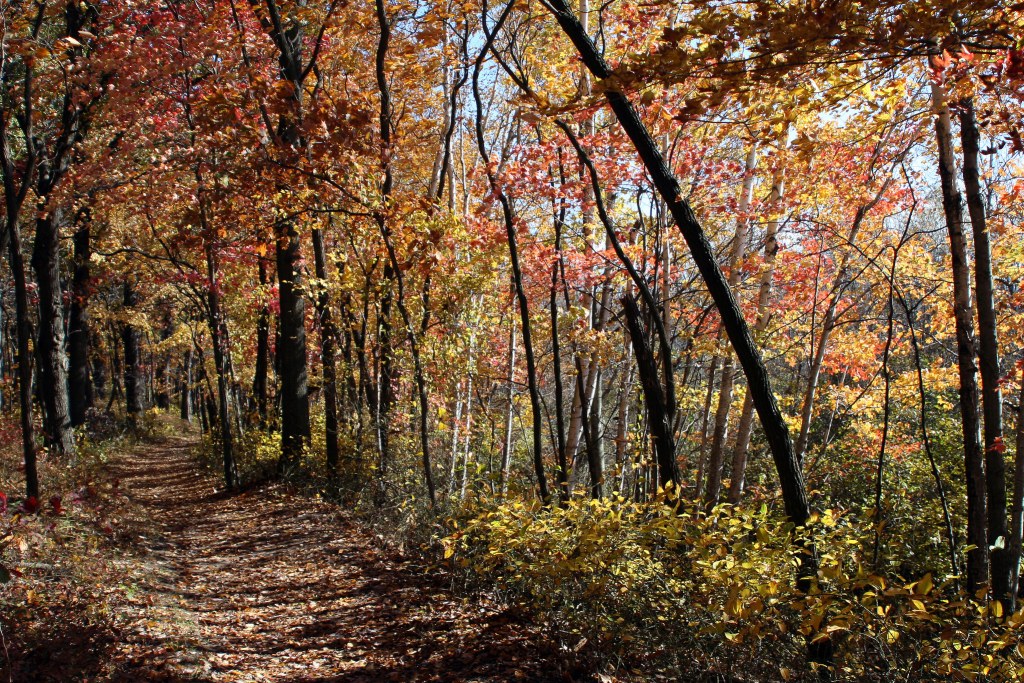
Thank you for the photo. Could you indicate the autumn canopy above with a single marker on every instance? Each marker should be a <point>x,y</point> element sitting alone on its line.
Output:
<point>545,277</point>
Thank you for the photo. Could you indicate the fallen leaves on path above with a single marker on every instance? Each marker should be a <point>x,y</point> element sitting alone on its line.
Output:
<point>265,586</point>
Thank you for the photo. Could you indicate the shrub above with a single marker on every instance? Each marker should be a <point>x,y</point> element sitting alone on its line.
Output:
<point>715,592</point>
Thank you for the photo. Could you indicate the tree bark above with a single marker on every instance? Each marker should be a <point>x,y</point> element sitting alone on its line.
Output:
<point>262,370</point>
<point>24,334</point>
<point>328,336</point>
<point>746,422</point>
<point>988,338</point>
<point>654,397</point>
<point>134,383</point>
<point>53,378</point>
<point>716,458</point>
<point>218,338</point>
<point>974,467</point>
<point>292,350</point>
<point>777,434</point>
<point>81,392</point>
<point>186,388</point>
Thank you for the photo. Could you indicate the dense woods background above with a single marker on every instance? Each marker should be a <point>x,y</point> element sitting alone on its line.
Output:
<point>694,326</point>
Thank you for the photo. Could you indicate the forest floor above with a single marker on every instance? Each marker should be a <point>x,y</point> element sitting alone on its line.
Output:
<point>261,585</point>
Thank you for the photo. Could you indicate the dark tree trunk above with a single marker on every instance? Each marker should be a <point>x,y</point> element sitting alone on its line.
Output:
<point>53,378</point>
<point>562,475</point>
<point>80,383</point>
<point>966,347</point>
<point>292,349</point>
<point>384,398</point>
<point>204,414</point>
<point>134,383</point>
<point>186,388</point>
<point>259,382</point>
<point>219,336</point>
<point>99,375</point>
<point>794,493</point>
<point>654,396</point>
<point>517,278</point>
<point>988,338</point>
<point>285,31</point>
<point>328,337</point>
<point>777,434</point>
<point>162,366</point>
<point>24,333</point>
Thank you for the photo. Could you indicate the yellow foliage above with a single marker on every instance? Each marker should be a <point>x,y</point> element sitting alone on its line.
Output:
<point>719,588</point>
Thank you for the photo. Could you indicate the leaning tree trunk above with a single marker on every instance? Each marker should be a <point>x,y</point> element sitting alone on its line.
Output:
<point>794,493</point>
<point>53,378</point>
<point>966,348</point>
<point>777,434</point>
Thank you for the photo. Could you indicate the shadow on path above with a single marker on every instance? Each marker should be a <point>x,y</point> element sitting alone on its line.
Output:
<point>264,586</point>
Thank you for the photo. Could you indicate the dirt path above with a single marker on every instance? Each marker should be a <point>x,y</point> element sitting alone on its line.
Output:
<point>262,586</point>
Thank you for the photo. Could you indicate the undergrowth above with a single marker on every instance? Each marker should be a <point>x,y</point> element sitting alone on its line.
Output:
<point>714,594</point>
<point>55,617</point>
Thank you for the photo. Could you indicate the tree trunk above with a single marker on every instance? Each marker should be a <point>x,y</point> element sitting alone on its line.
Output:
<point>134,384</point>
<point>988,338</point>
<point>1017,527</point>
<point>508,218</point>
<point>790,477</point>
<point>24,333</point>
<point>328,336</point>
<point>562,475</point>
<point>381,216</point>
<point>794,493</point>
<point>705,421</point>
<point>162,366</point>
<point>186,387</point>
<point>974,467</point>
<point>654,397</point>
<point>746,422</point>
<point>81,394</point>
<point>218,337</point>
<point>716,459</point>
<point>53,378</point>
<point>262,370</point>
<point>292,350</point>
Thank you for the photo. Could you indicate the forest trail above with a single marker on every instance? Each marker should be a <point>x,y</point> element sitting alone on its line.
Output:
<point>264,586</point>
